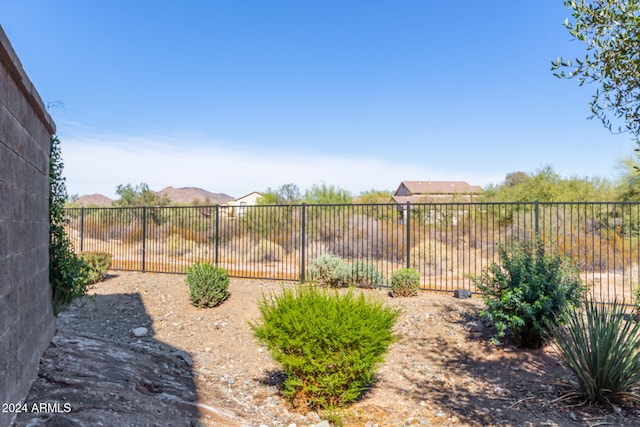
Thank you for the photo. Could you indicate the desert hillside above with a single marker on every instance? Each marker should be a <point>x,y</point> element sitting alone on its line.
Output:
<point>189,195</point>
<point>178,196</point>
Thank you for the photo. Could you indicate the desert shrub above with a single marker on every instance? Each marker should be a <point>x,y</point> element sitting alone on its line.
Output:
<point>365,274</point>
<point>424,254</point>
<point>600,345</point>
<point>177,245</point>
<point>598,250</point>
<point>330,270</point>
<point>405,282</point>
<point>207,284</point>
<point>97,265</point>
<point>327,343</point>
<point>530,291</point>
<point>265,250</point>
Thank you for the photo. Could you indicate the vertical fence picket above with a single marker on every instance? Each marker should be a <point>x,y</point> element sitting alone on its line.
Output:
<point>82,229</point>
<point>407,239</point>
<point>303,243</point>
<point>144,238</point>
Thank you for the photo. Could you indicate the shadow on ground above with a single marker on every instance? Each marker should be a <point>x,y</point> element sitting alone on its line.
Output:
<point>506,387</point>
<point>97,372</point>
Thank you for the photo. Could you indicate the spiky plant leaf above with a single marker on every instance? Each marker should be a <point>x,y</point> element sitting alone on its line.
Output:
<point>600,344</point>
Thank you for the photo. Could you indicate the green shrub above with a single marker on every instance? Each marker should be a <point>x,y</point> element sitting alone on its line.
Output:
<point>67,272</point>
<point>207,284</point>
<point>405,282</point>
<point>365,274</point>
<point>600,345</point>
<point>530,292</point>
<point>97,265</point>
<point>327,343</point>
<point>330,270</point>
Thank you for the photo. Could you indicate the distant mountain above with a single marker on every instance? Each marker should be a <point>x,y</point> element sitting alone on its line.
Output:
<point>177,196</point>
<point>191,195</point>
<point>93,200</point>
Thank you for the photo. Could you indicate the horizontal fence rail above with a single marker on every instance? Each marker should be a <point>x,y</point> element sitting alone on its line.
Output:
<point>448,243</point>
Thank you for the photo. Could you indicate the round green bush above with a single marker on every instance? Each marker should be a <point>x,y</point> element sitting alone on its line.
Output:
<point>330,270</point>
<point>405,282</point>
<point>207,284</point>
<point>328,343</point>
<point>364,274</point>
<point>97,265</point>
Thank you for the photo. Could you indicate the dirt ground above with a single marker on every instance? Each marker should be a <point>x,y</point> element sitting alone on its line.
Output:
<point>441,371</point>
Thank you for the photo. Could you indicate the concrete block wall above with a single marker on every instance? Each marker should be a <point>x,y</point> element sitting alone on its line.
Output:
<point>27,323</point>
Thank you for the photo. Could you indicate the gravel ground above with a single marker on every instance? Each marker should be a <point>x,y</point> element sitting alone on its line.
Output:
<point>441,371</point>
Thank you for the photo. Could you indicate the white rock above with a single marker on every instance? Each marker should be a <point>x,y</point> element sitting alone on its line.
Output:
<point>140,332</point>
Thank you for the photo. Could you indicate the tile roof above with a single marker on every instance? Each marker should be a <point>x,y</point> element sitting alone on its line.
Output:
<point>441,187</point>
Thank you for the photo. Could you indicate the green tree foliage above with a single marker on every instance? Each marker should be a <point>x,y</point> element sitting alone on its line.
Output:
<point>628,186</point>
<point>610,30</point>
<point>374,197</point>
<point>515,178</point>
<point>68,274</point>
<point>286,194</point>
<point>140,195</point>
<point>546,185</point>
<point>324,194</point>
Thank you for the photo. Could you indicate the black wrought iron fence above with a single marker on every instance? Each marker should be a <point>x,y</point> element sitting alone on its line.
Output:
<point>446,242</point>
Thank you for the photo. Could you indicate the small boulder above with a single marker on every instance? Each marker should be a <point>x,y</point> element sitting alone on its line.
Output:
<point>474,327</point>
<point>462,293</point>
<point>140,332</point>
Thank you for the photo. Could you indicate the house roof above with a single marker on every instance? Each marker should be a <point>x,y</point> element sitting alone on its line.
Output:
<point>253,193</point>
<point>402,200</point>
<point>234,202</point>
<point>440,187</point>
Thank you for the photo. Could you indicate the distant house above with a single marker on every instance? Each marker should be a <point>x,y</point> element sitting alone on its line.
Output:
<point>434,192</point>
<point>239,205</point>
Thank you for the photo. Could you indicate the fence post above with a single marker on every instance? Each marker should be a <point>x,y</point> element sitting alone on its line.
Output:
<point>537,212</point>
<point>144,237</point>
<point>303,242</point>
<point>82,229</point>
<point>217,235</point>
<point>408,236</point>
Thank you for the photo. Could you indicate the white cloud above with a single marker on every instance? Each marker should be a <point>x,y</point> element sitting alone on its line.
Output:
<point>97,164</point>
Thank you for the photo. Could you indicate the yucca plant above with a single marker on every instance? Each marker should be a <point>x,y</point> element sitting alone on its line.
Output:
<point>600,344</point>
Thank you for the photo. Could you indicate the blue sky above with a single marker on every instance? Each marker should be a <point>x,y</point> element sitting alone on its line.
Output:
<point>237,96</point>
